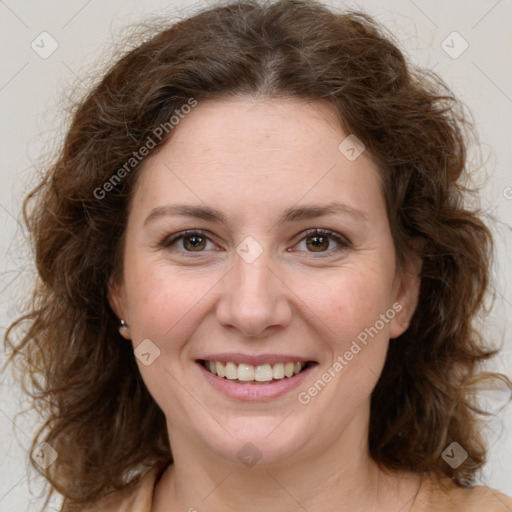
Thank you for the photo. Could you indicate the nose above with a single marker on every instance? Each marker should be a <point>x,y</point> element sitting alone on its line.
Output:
<point>254,299</point>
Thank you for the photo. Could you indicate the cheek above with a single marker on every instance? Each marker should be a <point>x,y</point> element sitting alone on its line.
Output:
<point>349,301</point>
<point>355,314</point>
<point>162,303</point>
<point>166,307</point>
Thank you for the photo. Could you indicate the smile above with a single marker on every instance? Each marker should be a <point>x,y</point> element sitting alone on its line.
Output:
<point>253,374</point>
<point>255,377</point>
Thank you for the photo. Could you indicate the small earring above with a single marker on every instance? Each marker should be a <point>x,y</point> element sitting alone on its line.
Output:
<point>123,326</point>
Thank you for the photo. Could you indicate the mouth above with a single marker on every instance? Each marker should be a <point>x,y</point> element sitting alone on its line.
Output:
<point>243,373</point>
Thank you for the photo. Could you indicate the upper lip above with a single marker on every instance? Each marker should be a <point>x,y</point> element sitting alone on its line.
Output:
<point>255,360</point>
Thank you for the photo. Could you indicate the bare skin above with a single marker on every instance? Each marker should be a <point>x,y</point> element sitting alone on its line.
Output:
<point>302,296</point>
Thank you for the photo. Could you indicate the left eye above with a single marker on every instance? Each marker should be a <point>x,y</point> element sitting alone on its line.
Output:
<point>321,240</point>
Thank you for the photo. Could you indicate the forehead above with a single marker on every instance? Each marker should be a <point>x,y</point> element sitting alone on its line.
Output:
<point>252,128</point>
<point>247,153</point>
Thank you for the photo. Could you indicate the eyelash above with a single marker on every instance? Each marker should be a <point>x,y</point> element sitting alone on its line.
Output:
<point>343,243</point>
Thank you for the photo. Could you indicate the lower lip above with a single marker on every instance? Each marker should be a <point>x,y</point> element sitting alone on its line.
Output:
<point>259,391</point>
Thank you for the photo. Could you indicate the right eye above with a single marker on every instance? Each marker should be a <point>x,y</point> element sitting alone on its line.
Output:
<point>190,241</point>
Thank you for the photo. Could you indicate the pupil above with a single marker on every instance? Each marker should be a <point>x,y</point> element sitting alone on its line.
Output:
<point>319,242</point>
<point>195,241</point>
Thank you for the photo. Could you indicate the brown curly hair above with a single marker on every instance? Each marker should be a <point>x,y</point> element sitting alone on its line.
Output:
<point>98,414</point>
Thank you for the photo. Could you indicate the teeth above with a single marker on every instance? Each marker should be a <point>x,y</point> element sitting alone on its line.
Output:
<point>245,371</point>
<point>220,369</point>
<point>278,371</point>
<point>288,369</point>
<point>263,373</point>
<point>231,371</point>
<point>250,373</point>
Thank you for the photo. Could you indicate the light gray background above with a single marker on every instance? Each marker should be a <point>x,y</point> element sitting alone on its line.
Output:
<point>31,90</point>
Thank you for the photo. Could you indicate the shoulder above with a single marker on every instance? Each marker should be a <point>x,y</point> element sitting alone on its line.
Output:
<point>443,495</point>
<point>135,498</point>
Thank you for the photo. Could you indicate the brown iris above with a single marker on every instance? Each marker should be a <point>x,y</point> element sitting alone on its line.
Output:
<point>318,243</point>
<point>194,242</point>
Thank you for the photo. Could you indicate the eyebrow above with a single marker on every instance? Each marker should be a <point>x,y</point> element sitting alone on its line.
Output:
<point>293,214</point>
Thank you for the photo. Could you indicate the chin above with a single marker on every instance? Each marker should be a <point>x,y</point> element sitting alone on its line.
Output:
<point>265,440</point>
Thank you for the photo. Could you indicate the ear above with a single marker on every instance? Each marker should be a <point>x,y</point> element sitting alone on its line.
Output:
<point>407,291</point>
<point>116,299</point>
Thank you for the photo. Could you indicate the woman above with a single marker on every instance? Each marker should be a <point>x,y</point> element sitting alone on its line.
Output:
<point>258,278</point>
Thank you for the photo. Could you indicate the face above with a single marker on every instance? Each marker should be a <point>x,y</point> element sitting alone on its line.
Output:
<point>252,240</point>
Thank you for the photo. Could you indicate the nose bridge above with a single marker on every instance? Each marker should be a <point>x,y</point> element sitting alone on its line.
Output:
<point>253,297</point>
<point>253,282</point>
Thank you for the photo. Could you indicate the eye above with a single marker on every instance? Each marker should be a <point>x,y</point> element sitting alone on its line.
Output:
<point>189,241</point>
<point>322,240</point>
<point>315,241</point>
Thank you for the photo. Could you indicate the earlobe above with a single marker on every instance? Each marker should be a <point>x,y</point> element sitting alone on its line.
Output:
<point>116,302</point>
<point>407,295</point>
